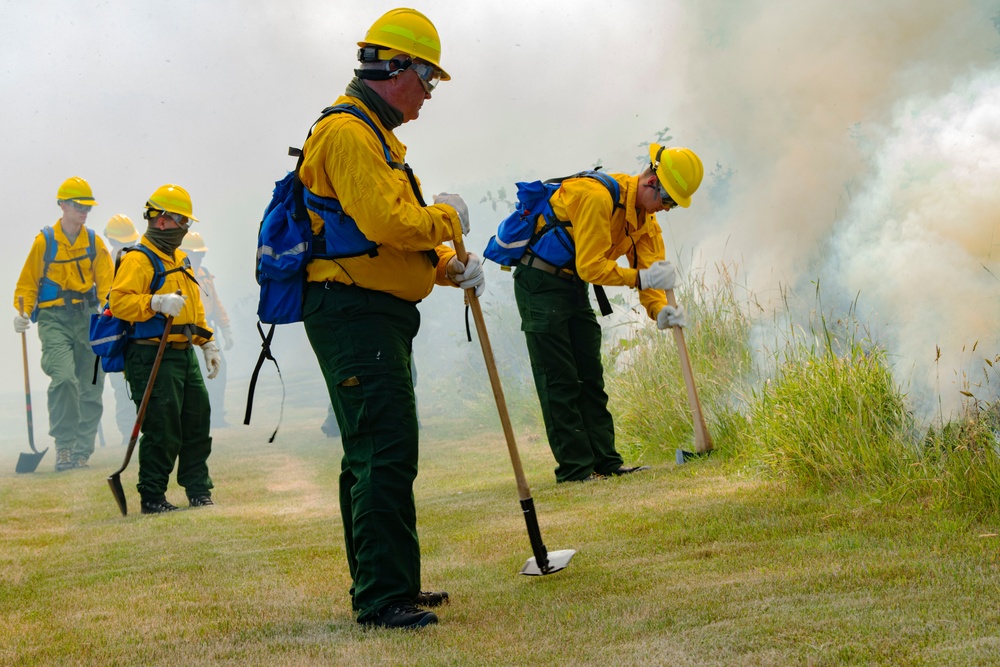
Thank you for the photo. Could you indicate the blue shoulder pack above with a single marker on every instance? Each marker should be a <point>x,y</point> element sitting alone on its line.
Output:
<point>286,243</point>
<point>48,289</point>
<point>109,335</point>
<point>516,234</point>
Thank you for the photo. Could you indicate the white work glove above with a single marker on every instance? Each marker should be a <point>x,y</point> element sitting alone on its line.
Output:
<point>21,323</point>
<point>227,339</point>
<point>671,316</point>
<point>458,204</point>
<point>168,304</point>
<point>660,275</point>
<point>469,275</point>
<point>213,360</point>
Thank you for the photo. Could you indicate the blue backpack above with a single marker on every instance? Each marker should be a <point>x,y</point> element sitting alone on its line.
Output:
<point>48,289</point>
<point>286,243</point>
<point>516,234</point>
<point>109,335</point>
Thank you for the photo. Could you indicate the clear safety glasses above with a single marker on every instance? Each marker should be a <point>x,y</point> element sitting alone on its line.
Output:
<point>429,75</point>
<point>665,198</point>
<point>82,208</point>
<point>181,220</point>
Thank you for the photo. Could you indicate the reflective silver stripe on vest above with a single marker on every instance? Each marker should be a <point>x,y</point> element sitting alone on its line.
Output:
<point>109,339</point>
<point>512,245</point>
<point>269,251</point>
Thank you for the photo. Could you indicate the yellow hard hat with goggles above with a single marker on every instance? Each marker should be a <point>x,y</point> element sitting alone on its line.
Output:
<point>406,33</point>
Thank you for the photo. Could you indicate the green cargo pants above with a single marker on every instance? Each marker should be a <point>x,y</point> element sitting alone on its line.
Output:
<point>363,341</point>
<point>176,425</point>
<point>564,344</point>
<point>74,401</point>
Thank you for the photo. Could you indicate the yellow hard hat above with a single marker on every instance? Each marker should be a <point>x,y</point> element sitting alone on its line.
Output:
<point>77,190</point>
<point>172,199</point>
<point>121,229</point>
<point>193,243</point>
<point>409,31</point>
<point>679,171</point>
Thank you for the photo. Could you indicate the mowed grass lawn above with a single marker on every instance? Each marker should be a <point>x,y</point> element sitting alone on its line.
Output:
<point>689,565</point>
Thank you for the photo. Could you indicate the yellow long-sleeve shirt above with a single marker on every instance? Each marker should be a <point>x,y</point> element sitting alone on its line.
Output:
<point>602,234</point>
<point>343,159</point>
<point>76,276</point>
<point>130,295</point>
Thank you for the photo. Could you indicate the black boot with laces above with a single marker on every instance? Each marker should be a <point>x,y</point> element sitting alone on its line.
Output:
<point>402,615</point>
<point>157,506</point>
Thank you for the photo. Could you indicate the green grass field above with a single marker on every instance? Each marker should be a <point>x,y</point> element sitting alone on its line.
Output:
<point>689,565</point>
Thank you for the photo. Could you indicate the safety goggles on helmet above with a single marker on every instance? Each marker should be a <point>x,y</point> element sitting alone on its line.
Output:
<point>665,198</point>
<point>82,208</point>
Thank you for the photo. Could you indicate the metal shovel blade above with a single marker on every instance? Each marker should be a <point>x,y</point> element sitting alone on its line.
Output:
<point>28,461</point>
<point>115,482</point>
<point>558,560</point>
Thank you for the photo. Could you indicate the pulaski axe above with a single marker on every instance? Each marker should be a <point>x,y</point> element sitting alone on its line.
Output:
<point>543,562</point>
<point>702,439</point>
<point>114,480</point>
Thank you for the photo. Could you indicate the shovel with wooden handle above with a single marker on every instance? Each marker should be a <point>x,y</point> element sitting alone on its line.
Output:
<point>543,562</point>
<point>28,462</point>
<point>702,440</point>
<point>115,481</point>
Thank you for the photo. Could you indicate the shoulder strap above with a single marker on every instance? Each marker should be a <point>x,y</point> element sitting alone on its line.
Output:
<point>357,113</point>
<point>610,183</point>
<point>50,248</point>
<point>159,274</point>
<point>361,115</point>
<point>92,248</point>
<point>605,179</point>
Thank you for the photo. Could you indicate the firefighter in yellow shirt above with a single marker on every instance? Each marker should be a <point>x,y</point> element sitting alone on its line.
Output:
<point>559,325</point>
<point>384,253</point>
<point>217,318</point>
<point>176,425</point>
<point>67,272</point>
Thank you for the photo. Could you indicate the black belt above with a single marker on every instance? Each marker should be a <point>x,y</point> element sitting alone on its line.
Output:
<point>534,262</point>
<point>179,345</point>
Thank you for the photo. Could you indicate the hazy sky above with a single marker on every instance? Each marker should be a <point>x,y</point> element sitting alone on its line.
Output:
<point>862,139</point>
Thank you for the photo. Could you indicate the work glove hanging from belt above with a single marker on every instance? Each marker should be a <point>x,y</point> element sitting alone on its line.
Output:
<point>213,360</point>
<point>458,204</point>
<point>469,275</point>
<point>227,338</point>
<point>168,304</point>
<point>660,275</point>
<point>21,323</point>
<point>671,316</point>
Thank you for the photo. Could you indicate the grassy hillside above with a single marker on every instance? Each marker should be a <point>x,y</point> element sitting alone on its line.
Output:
<point>684,565</point>
<point>827,528</point>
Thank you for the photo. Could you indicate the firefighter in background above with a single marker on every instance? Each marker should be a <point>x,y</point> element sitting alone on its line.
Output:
<point>67,270</point>
<point>176,426</point>
<point>121,233</point>
<point>217,319</point>
<point>559,325</point>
